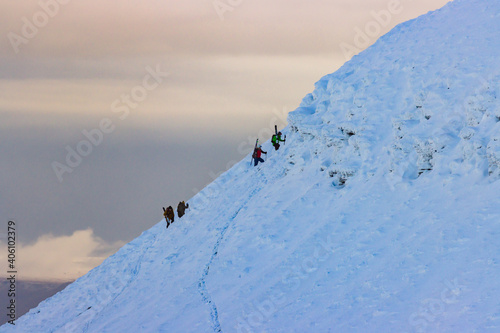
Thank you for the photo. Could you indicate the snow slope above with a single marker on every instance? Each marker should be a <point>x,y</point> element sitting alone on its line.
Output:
<point>379,214</point>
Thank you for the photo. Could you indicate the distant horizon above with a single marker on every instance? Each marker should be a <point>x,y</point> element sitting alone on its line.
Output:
<point>31,293</point>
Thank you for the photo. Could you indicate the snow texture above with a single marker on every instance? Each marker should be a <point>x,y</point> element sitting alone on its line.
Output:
<point>379,214</point>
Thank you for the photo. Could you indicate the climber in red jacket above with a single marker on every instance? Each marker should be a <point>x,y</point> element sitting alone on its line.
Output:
<point>257,153</point>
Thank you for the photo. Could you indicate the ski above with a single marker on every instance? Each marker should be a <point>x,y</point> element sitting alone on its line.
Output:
<point>253,152</point>
<point>274,138</point>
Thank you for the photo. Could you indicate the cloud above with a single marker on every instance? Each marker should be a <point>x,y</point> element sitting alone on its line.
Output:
<point>63,258</point>
<point>202,93</point>
<point>96,29</point>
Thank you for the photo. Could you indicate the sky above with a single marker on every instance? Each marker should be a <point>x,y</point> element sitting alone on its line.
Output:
<point>155,99</point>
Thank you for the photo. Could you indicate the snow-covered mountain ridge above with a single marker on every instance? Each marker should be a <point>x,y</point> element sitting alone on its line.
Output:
<point>433,80</point>
<point>379,214</point>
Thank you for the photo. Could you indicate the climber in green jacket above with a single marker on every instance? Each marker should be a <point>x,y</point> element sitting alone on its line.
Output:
<point>276,139</point>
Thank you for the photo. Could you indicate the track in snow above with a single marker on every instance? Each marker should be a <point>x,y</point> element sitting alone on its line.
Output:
<point>202,287</point>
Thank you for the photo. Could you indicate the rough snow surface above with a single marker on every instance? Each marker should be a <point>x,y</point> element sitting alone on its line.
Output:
<point>379,214</point>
